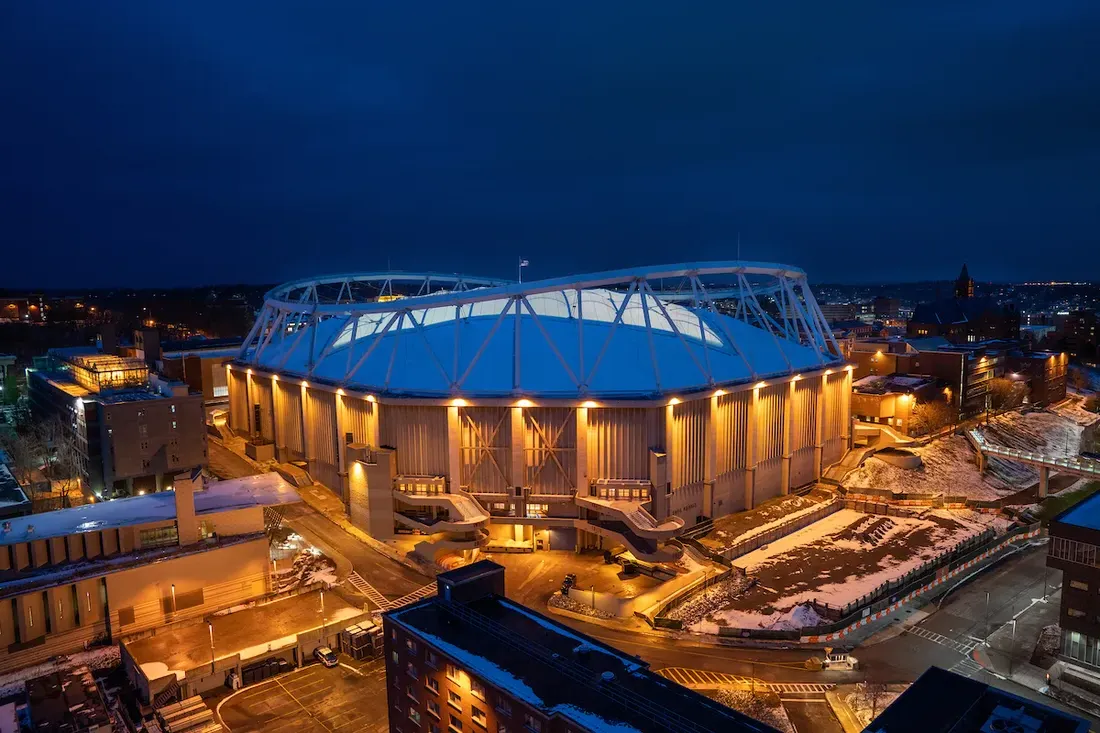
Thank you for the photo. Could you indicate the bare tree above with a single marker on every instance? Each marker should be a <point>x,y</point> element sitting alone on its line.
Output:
<point>22,453</point>
<point>60,453</point>
<point>931,417</point>
<point>873,694</point>
<point>1078,378</point>
<point>1005,394</point>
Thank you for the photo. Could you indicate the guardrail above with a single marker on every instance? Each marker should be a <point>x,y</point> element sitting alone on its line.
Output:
<point>1084,465</point>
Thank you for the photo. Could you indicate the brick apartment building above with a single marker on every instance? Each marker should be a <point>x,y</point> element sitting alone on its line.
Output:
<point>468,660</point>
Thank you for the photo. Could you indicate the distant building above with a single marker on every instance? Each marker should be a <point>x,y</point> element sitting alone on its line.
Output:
<point>469,659</point>
<point>943,701</point>
<point>132,428</point>
<point>834,312</point>
<point>201,364</point>
<point>1044,372</point>
<point>852,329</point>
<point>98,572</point>
<point>964,286</point>
<point>1081,334</point>
<point>886,308</point>
<point>965,318</point>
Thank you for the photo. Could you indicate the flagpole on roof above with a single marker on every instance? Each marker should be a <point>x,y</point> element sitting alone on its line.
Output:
<point>522,264</point>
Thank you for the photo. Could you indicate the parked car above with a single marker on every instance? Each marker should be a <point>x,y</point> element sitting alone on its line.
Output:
<point>326,656</point>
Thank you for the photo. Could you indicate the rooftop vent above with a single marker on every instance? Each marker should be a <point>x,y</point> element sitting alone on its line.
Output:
<point>607,677</point>
<point>7,526</point>
<point>1008,720</point>
<point>30,529</point>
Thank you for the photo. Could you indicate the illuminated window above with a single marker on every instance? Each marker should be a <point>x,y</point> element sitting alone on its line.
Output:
<point>456,724</point>
<point>1078,585</point>
<point>414,715</point>
<point>1075,613</point>
<point>477,689</point>
<point>454,699</point>
<point>453,673</point>
<point>478,716</point>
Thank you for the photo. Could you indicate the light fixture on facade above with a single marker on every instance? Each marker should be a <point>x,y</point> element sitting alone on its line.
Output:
<point>758,385</point>
<point>524,403</point>
<point>589,403</point>
<point>719,392</point>
<point>674,401</point>
<point>370,398</point>
<point>458,402</point>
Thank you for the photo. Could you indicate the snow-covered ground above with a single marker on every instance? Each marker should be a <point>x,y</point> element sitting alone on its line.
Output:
<point>309,566</point>
<point>836,561</point>
<point>764,707</point>
<point>867,700</point>
<point>949,463</point>
<point>13,683</point>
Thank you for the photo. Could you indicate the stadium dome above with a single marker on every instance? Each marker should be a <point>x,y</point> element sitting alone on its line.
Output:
<point>641,333</point>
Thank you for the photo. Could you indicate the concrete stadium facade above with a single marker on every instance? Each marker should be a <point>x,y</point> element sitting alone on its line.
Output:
<point>559,414</point>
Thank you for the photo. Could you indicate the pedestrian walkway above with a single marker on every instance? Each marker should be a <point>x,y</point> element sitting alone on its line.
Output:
<point>359,583</point>
<point>802,687</point>
<point>963,647</point>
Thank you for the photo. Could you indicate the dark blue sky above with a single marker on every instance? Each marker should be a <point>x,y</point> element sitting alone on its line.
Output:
<point>176,143</point>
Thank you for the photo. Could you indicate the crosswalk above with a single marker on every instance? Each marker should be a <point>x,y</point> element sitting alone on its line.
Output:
<point>805,687</point>
<point>967,667</point>
<point>360,584</point>
<point>701,678</point>
<point>416,595</point>
<point>963,647</point>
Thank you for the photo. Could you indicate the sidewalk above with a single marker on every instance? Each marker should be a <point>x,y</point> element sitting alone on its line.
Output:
<point>1007,651</point>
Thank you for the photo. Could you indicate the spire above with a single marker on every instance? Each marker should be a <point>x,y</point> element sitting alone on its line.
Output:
<point>964,286</point>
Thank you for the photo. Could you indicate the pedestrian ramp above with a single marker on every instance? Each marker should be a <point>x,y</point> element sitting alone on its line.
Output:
<point>701,679</point>
<point>962,647</point>
<point>360,584</point>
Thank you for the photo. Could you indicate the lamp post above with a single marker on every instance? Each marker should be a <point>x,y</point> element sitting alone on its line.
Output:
<point>210,626</point>
<point>322,617</point>
<point>173,599</point>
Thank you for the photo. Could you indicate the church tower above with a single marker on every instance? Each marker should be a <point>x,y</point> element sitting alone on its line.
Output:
<point>964,286</point>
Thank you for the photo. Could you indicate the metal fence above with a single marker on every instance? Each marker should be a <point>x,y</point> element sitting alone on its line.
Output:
<point>917,575</point>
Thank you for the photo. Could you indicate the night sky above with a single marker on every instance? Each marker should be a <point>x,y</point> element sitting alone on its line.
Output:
<point>181,143</point>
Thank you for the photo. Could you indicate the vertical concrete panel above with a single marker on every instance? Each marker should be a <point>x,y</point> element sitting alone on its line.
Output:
<point>454,449</point>
<point>581,456</point>
<point>75,547</point>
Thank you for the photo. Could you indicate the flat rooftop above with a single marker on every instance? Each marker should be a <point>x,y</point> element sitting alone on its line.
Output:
<point>942,701</point>
<point>882,384</point>
<point>1084,513</point>
<point>268,489</point>
<point>560,671</point>
<point>248,633</point>
<point>11,493</point>
<point>66,701</point>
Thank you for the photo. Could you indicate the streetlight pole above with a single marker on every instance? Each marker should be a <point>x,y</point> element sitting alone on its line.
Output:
<point>210,625</point>
<point>1011,648</point>
<point>322,617</point>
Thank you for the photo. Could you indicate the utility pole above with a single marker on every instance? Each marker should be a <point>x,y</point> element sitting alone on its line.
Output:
<point>210,625</point>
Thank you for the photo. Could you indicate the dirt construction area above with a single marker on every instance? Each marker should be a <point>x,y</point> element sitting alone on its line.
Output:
<point>350,698</point>
<point>835,560</point>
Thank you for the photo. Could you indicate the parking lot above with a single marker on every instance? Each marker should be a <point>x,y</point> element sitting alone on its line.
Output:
<point>314,699</point>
